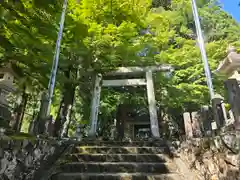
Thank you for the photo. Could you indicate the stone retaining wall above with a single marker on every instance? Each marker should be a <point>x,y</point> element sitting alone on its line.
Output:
<point>28,158</point>
<point>215,158</point>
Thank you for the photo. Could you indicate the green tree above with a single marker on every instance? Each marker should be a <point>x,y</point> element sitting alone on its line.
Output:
<point>102,35</point>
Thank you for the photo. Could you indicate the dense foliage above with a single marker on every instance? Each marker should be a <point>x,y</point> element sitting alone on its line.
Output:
<point>104,34</point>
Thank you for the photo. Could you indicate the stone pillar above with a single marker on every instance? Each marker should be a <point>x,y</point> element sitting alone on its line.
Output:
<point>152,105</point>
<point>188,125</point>
<point>196,124</point>
<point>206,116</point>
<point>233,90</point>
<point>218,111</point>
<point>95,105</point>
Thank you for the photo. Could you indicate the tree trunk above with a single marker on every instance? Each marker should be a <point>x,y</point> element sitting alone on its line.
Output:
<point>38,125</point>
<point>34,116</point>
<point>19,111</point>
<point>66,125</point>
<point>63,118</point>
<point>24,104</point>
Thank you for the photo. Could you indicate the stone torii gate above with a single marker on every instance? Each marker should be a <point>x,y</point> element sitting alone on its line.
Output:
<point>147,81</point>
<point>230,67</point>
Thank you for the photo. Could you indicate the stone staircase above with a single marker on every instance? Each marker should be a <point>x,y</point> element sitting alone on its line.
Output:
<point>118,161</point>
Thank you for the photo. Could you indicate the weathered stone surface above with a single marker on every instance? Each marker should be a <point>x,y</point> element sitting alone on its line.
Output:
<point>231,141</point>
<point>196,126</point>
<point>28,159</point>
<point>233,159</point>
<point>188,125</point>
<point>116,160</point>
<point>213,158</point>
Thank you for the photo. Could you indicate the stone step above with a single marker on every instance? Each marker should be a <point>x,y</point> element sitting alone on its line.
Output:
<point>121,143</point>
<point>117,167</point>
<point>116,176</point>
<point>120,150</point>
<point>116,158</point>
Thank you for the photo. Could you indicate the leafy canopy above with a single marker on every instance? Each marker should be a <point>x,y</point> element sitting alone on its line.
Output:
<point>105,34</point>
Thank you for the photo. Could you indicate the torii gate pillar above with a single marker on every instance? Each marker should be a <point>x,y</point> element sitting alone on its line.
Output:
<point>152,105</point>
<point>95,105</point>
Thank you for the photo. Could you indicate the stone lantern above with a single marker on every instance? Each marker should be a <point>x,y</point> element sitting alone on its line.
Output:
<point>6,86</point>
<point>230,67</point>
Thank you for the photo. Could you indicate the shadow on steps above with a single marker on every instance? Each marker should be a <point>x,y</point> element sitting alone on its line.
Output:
<point>116,162</point>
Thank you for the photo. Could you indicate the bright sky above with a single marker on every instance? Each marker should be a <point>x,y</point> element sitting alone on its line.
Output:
<point>232,7</point>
